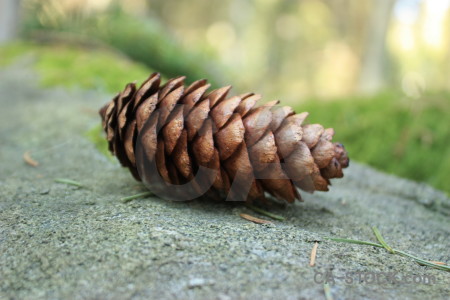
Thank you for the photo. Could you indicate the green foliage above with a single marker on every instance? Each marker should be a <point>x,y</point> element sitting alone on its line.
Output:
<point>142,39</point>
<point>403,136</point>
<point>77,67</point>
<point>10,52</point>
<point>81,68</point>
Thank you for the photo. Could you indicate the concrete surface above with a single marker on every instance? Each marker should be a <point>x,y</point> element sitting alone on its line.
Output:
<point>62,242</point>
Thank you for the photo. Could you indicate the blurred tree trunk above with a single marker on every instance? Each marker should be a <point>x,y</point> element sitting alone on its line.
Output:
<point>446,67</point>
<point>373,69</point>
<point>9,19</point>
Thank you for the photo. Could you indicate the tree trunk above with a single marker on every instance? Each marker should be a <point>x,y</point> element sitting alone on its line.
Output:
<point>9,19</point>
<point>373,69</point>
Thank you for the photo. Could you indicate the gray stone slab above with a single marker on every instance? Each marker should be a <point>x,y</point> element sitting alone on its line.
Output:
<point>62,242</point>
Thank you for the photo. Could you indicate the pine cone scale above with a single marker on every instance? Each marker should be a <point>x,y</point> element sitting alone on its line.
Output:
<point>148,88</point>
<point>223,110</point>
<point>173,129</point>
<point>247,104</point>
<point>145,110</point>
<point>217,95</point>
<point>171,85</point>
<point>196,118</point>
<point>203,144</point>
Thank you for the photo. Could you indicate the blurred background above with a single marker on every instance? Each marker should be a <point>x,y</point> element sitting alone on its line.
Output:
<point>378,71</point>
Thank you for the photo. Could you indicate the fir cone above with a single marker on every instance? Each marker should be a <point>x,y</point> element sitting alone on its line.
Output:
<point>185,142</point>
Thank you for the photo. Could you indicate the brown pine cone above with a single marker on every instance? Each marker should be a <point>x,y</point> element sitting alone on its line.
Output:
<point>185,142</point>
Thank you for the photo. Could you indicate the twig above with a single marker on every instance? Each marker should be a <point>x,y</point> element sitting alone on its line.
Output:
<point>30,161</point>
<point>312,260</point>
<point>254,219</point>
<point>68,181</point>
<point>141,195</point>
<point>266,213</point>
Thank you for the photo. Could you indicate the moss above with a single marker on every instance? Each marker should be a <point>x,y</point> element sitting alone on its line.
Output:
<point>78,68</point>
<point>71,67</point>
<point>403,136</point>
<point>9,52</point>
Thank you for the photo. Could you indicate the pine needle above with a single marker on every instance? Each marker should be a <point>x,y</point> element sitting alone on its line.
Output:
<point>381,240</point>
<point>327,291</point>
<point>68,181</point>
<point>265,213</point>
<point>312,260</point>
<point>438,262</point>
<point>424,262</point>
<point>254,219</point>
<point>140,195</point>
<point>350,241</point>
<point>436,265</point>
<point>29,160</point>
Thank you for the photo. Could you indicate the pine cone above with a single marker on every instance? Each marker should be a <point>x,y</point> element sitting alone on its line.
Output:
<point>184,142</point>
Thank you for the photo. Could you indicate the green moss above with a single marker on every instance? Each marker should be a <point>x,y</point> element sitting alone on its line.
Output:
<point>403,136</point>
<point>9,52</point>
<point>77,67</point>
